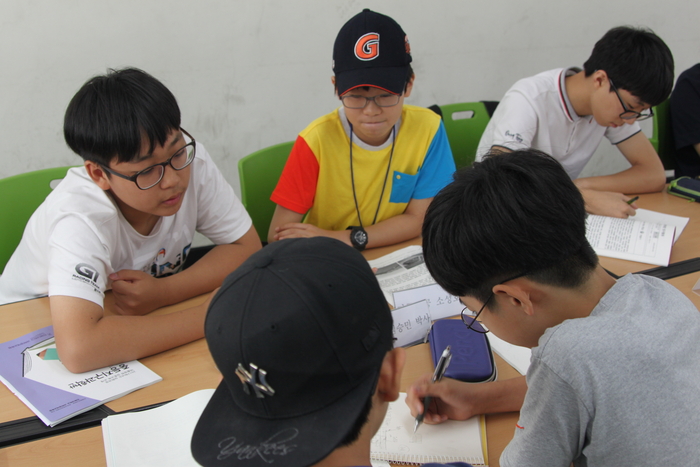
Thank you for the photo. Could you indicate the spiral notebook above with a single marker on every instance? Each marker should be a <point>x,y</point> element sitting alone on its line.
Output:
<point>451,441</point>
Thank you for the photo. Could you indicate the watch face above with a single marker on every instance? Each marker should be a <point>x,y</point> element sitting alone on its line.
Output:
<point>360,237</point>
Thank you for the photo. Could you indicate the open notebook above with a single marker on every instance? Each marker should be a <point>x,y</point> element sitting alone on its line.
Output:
<point>451,441</point>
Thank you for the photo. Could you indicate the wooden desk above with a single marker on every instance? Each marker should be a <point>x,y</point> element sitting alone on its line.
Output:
<point>85,447</point>
<point>687,246</point>
<point>190,367</point>
<point>184,369</point>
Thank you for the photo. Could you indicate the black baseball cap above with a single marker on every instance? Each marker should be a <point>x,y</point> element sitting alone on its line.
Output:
<point>371,50</point>
<point>299,332</point>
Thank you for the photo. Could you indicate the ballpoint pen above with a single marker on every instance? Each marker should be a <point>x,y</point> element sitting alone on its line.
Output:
<point>440,368</point>
<point>633,200</point>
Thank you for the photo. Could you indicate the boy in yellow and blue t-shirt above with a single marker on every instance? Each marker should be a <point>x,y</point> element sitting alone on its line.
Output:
<point>365,173</point>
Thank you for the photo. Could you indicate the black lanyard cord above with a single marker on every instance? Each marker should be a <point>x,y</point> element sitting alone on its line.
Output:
<point>386,177</point>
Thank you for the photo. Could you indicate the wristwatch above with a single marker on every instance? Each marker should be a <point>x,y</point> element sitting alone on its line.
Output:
<point>358,238</point>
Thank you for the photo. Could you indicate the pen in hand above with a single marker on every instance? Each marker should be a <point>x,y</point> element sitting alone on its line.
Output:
<point>440,368</point>
<point>633,200</point>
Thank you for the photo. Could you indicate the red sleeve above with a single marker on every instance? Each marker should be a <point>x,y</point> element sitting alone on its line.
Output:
<point>296,187</point>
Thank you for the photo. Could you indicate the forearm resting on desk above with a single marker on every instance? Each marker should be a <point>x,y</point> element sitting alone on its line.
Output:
<point>86,339</point>
<point>399,228</point>
<point>287,224</point>
<point>646,174</point>
<point>630,181</point>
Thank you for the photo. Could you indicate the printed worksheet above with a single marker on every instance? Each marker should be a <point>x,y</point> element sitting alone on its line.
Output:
<point>630,239</point>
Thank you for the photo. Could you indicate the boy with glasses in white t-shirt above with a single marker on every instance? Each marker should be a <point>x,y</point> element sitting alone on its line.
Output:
<point>125,221</point>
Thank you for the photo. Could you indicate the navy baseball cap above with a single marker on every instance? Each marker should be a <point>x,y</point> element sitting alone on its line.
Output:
<point>371,49</point>
<point>299,332</point>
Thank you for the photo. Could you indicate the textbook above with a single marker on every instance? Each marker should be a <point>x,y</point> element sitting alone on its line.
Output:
<point>450,441</point>
<point>646,237</point>
<point>31,368</point>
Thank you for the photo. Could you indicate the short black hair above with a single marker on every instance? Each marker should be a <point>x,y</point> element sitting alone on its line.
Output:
<point>111,114</point>
<point>637,60</point>
<point>363,416</point>
<point>361,420</point>
<point>513,213</point>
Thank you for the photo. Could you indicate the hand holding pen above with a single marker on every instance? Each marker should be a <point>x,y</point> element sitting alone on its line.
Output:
<point>440,369</point>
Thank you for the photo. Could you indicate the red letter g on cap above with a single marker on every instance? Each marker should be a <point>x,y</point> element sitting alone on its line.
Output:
<point>367,46</point>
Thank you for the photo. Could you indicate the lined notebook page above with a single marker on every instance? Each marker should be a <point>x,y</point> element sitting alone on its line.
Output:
<point>451,441</point>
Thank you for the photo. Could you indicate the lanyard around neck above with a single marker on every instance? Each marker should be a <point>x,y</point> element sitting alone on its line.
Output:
<point>386,177</point>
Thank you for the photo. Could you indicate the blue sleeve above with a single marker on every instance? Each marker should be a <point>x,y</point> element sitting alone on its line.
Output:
<point>438,167</point>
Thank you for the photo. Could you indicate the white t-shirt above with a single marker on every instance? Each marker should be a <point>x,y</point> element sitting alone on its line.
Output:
<point>536,112</point>
<point>78,236</point>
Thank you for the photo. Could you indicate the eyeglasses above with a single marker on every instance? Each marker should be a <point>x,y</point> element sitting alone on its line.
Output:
<point>471,320</point>
<point>353,101</point>
<point>631,114</point>
<point>151,176</point>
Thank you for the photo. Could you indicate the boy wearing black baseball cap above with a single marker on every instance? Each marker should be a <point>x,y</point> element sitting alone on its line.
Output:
<point>302,335</point>
<point>365,173</point>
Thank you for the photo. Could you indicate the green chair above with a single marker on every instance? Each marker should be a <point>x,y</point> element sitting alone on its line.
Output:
<point>259,173</point>
<point>464,124</point>
<point>21,195</point>
<point>662,137</point>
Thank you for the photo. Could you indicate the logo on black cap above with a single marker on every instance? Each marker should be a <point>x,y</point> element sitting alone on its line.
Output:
<point>248,378</point>
<point>367,47</point>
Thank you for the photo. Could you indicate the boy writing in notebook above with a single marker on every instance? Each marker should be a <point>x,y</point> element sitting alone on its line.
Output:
<point>125,220</point>
<point>567,112</point>
<point>302,335</point>
<point>615,364</point>
<point>365,173</point>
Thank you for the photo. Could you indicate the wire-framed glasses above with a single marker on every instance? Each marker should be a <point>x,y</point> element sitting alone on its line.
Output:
<point>353,101</point>
<point>629,114</point>
<point>469,318</point>
<point>151,176</point>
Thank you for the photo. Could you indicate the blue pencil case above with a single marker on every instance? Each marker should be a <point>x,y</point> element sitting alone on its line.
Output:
<point>472,358</point>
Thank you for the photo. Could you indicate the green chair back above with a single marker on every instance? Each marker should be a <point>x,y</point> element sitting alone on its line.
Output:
<point>662,137</point>
<point>21,195</point>
<point>259,173</point>
<point>464,124</point>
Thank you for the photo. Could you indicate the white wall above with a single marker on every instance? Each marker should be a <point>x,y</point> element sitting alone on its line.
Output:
<point>248,74</point>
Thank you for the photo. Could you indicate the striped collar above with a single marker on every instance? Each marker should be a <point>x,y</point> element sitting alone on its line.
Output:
<point>563,96</point>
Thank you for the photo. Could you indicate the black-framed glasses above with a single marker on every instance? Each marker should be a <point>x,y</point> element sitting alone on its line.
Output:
<point>353,101</point>
<point>629,114</point>
<point>151,176</point>
<point>471,320</point>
